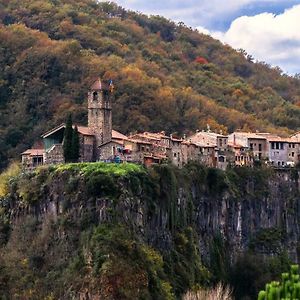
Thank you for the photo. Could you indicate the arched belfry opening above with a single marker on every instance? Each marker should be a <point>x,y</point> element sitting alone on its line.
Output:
<point>95,96</point>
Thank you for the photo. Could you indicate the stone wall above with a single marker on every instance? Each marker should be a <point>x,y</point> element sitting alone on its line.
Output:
<point>55,155</point>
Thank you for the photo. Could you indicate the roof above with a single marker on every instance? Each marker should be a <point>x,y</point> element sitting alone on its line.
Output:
<point>157,136</point>
<point>280,139</point>
<point>206,139</point>
<point>137,141</point>
<point>235,145</point>
<point>118,135</point>
<point>249,135</point>
<point>144,135</point>
<point>34,152</point>
<point>97,85</point>
<point>111,142</point>
<point>198,144</point>
<point>295,137</point>
<point>84,130</point>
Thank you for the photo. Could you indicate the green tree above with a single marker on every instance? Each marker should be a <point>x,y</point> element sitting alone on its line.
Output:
<point>67,145</point>
<point>75,145</point>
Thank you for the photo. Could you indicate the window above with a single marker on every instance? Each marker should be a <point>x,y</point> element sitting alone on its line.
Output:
<point>259,147</point>
<point>221,142</point>
<point>175,154</point>
<point>95,96</point>
<point>293,154</point>
<point>272,145</point>
<point>293,145</point>
<point>259,155</point>
<point>251,146</point>
<point>281,146</point>
<point>221,159</point>
<point>277,145</point>
<point>37,160</point>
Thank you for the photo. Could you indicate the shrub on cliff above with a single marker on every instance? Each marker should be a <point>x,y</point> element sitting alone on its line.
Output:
<point>12,171</point>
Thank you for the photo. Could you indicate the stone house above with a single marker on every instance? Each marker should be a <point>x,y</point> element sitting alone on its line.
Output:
<point>240,155</point>
<point>218,141</point>
<point>283,152</point>
<point>32,158</point>
<point>205,154</point>
<point>256,143</point>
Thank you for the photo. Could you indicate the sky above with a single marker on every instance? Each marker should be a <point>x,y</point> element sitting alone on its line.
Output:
<point>269,30</point>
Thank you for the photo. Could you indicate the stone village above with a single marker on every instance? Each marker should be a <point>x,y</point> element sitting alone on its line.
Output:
<point>99,142</point>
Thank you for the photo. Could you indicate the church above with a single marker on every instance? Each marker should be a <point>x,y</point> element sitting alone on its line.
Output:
<point>98,141</point>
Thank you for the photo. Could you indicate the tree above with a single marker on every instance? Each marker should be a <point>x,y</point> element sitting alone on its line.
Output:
<point>75,145</point>
<point>67,145</point>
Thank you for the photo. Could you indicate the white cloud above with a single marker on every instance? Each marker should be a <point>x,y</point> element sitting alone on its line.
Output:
<point>268,37</point>
<point>197,12</point>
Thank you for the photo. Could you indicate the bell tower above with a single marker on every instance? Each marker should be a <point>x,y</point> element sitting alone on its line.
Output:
<point>99,112</point>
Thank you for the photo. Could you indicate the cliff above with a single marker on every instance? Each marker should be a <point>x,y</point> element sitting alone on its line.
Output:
<point>172,228</point>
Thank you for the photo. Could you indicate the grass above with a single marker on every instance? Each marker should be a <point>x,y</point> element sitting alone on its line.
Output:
<point>12,171</point>
<point>101,167</point>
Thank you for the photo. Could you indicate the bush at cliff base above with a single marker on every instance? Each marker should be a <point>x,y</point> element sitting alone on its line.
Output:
<point>287,289</point>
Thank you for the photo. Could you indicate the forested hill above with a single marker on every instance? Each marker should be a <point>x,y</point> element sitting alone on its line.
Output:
<point>166,75</point>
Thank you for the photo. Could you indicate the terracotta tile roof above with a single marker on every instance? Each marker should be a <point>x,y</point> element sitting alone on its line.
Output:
<point>144,135</point>
<point>97,85</point>
<point>34,152</point>
<point>137,141</point>
<point>118,135</point>
<point>249,135</point>
<point>111,142</point>
<point>235,145</point>
<point>295,137</point>
<point>84,130</point>
<point>280,139</point>
<point>157,136</point>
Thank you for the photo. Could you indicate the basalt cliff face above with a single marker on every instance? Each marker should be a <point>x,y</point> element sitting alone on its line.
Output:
<point>213,216</point>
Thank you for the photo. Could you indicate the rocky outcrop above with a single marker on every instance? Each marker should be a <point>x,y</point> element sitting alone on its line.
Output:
<point>256,209</point>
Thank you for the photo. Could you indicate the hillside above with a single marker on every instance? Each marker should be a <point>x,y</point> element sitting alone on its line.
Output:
<point>166,76</point>
<point>115,231</point>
